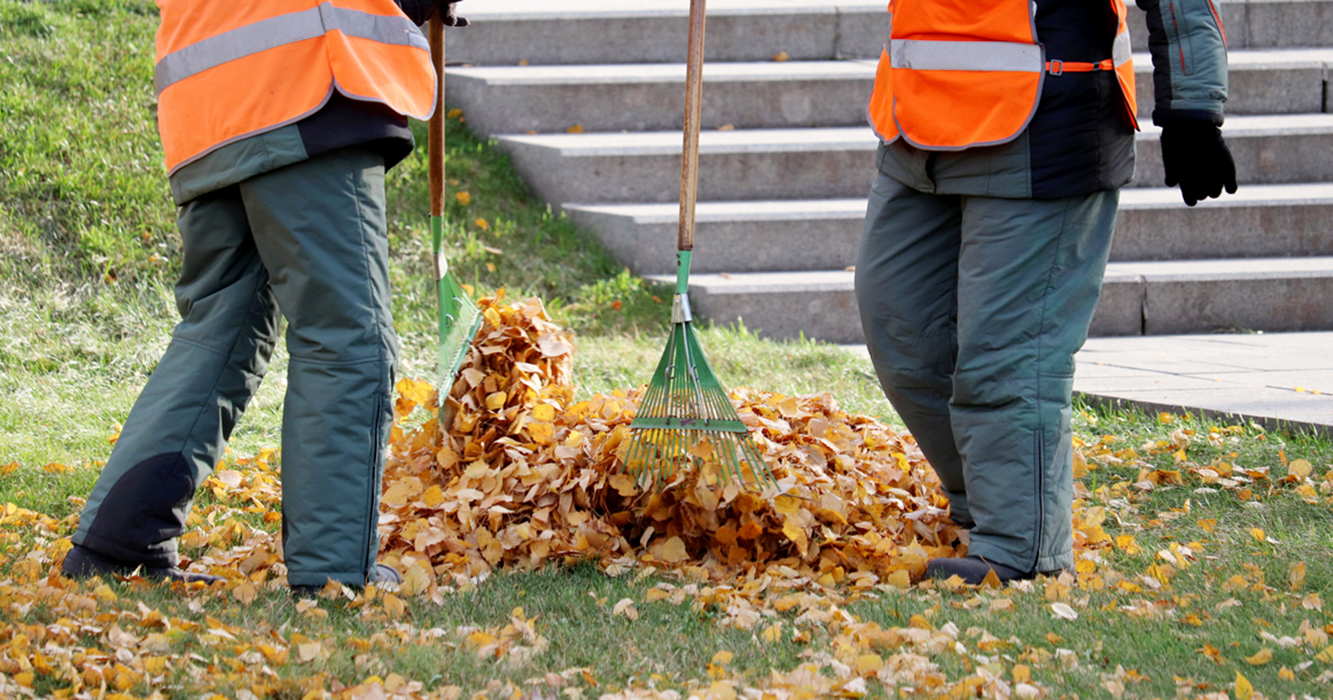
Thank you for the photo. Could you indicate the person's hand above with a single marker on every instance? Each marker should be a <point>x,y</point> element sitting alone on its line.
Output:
<point>1196,157</point>
<point>450,16</point>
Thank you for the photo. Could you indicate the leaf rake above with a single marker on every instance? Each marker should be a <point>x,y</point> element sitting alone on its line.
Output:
<point>460,317</point>
<point>685,419</point>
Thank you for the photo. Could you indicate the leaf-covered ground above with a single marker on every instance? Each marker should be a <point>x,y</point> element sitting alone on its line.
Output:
<point>535,567</point>
<point>1204,548</point>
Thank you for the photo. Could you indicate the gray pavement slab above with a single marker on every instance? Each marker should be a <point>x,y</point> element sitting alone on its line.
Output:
<point>1179,374</point>
<point>1271,378</point>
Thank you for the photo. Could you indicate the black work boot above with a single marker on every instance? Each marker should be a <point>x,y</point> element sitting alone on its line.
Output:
<point>972,570</point>
<point>385,578</point>
<point>82,563</point>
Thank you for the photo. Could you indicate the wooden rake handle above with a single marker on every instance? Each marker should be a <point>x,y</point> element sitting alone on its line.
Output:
<point>435,130</point>
<point>689,162</point>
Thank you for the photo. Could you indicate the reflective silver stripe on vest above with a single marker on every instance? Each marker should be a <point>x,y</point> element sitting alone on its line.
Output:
<point>990,56</point>
<point>280,31</point>
<point>1120,52</point>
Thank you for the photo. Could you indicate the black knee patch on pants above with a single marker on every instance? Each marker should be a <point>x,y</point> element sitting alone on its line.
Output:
<point>145,511</point>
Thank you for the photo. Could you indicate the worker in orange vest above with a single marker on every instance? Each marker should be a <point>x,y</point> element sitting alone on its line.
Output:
<point>1007,128</point>
<point>278,120</point>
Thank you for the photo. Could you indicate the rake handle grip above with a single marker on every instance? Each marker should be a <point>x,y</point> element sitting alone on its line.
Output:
<point>435,126</point>
<point>689,162</point>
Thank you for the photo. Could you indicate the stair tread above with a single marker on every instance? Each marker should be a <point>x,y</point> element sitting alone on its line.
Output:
<point>544,9</point>
<point>842,69</point>
<point>1295,194</point>
<point>1152,270</point>
<point>849,137</point>
<point>494,10</point>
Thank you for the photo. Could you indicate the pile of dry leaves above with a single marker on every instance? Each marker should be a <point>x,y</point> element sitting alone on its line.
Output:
<point>526,475</point>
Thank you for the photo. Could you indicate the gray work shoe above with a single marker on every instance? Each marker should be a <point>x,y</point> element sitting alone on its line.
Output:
<point>973,570</point>
<point>385,578</point>
<point>82,563</point>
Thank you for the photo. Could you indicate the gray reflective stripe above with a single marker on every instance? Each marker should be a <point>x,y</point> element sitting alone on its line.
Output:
<point>1120,52</point>
<point>990,56</point>
<point>280,31</point>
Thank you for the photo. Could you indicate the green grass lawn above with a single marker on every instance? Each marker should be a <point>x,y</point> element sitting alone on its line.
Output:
<point>89,256</point>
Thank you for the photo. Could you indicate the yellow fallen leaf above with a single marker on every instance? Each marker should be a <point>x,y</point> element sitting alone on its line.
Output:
<point>1257,534</point>
<point>417,579</point>
<point>463,198</point>
<point>723,657</point>
<point>1296,576</point>
<point>1244,691</point>
<point>543,412</point>
<point>245,592</point>
<point>867,664</point>
<point>720,690</point>
<point>772,634</point>
<point>1260,657</point>
<point>672,551</point>
<point>656,594</point>
<point>1299,468</point>
<point>308,651</point>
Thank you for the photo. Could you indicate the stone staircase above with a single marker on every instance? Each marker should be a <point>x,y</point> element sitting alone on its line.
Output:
<point>786,159</point>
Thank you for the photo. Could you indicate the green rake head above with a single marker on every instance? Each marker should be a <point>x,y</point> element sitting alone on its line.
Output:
<point>460,319</point>
<point>686,420</point>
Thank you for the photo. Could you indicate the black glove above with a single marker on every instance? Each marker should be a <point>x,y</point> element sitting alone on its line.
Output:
<point>1196,158</point>
<point>420,11</point>
<point>451,18</point>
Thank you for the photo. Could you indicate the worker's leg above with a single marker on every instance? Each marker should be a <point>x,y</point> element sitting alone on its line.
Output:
<point>906,281</point>
<point>320,228</point>
<point>1030,274</point>
<point>180,423</point>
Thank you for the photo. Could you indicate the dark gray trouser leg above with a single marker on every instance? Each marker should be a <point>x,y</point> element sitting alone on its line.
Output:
<point>312,237</point>
<point>1025,279</point>
<point>320,228</point>
<point>1030,274</point>
<point>906,284</point>
<point>180,423</point>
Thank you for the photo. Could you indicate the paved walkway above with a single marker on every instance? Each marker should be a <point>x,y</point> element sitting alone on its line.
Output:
<point>1274,379</point>
<point>1278,380</point>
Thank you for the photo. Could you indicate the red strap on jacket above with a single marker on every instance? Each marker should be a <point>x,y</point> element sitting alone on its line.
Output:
<point>1058,67</point>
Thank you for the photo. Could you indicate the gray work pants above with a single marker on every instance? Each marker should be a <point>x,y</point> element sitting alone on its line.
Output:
<point>309,240</point>
<point>973,308</point>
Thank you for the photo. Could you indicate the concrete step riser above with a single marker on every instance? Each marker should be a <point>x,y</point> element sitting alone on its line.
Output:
<point>831,243</point>
<point>722,177</point>
<point>852,32</point>
<point>765,104</point>
<point>816,174</point>
<point>855,33</point>
<point>1128,306</point>
<point>659,106</point>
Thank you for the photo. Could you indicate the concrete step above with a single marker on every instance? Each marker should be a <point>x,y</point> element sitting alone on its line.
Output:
<point>1138,298</point>
<point>505,32</point>
<point>771,164</point>
<point>764,95</point>
<point>1154,224</point>
<point>651,96</point>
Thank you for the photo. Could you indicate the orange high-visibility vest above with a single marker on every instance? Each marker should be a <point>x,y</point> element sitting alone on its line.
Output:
<point>963,73</point>
<point>228,70</point>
